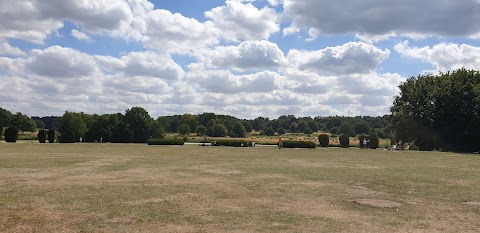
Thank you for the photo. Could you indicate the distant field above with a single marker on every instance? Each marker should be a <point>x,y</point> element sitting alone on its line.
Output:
<point>138,188</point>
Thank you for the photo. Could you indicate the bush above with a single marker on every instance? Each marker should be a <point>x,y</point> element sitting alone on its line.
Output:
<point>166,142</point>
<point>1,131</point>
<point>308,131</point>
<point>11,134</point>
<point>184,129</point>
<point>299,144</point>
<point>42,136</point>
<point>51,135</point>
<point>324,140</point>
<point>269,131</point>
<point>232,143</point>
<point>344,141</point>
<point>373,140</point>
<point>281,131</point>
<point>238,130</point>
<point>201,130</point>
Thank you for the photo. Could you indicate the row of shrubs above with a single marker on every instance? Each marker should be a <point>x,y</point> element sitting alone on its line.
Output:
<point>372,140</point>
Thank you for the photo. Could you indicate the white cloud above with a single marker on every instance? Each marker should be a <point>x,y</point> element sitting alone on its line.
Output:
<point>12,66</point>
<point>22,19</point>
<point>445,57</point>
<point>220,81</point>
<point>61,62</point>
<point>380,17</point>
<point>152,64</point>
<point>248,55</point>
<point>6,49</point>
<point>80,35</point>
<point>237,21</point>
<point>350,58</point>
<point>163,31</point>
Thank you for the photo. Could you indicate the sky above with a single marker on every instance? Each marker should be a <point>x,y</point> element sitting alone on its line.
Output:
<point>245,58</point>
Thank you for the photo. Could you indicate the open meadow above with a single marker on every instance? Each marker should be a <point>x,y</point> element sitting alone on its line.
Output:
<point>140,188</point>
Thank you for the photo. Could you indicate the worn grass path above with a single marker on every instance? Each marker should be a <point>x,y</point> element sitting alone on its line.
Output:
<point>140,188</point>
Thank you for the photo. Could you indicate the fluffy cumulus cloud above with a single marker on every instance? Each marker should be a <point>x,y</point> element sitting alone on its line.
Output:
<point>243,21</point>
<point>350,58</point>
<point>247,55</point>
<point>371,19</point>
<point>6,49</point>
<point>443,56</point>
<point>222,81</point>
<point>80,35</point>
<point>59,62</point>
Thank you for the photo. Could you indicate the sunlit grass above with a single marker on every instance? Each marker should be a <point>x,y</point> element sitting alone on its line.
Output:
<point>130,188</point>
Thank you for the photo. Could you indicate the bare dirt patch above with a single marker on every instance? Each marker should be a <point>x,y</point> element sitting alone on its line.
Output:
<point>473,203</point>
<point>378,203</point>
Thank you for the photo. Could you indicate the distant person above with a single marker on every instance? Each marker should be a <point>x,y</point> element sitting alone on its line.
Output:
<point>365,142</point>
<point>101,139</point>
<point>80,139</point>
<point>400,145</point>
<point>253,144</point>
<point>280,143</point>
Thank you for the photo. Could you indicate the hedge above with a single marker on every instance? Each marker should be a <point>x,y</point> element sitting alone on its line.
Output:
<point>299,144</point>
<point>11,134</point>
<point>167,142</point>
<point>42,136</point>
<point>232,143</point>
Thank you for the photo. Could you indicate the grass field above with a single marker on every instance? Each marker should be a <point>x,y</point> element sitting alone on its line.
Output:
<point>140,188</point>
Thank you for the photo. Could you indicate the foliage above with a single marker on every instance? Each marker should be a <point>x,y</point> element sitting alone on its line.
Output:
<point>361,127</point>
<point>238,130</point>
<point>232,143</point>
<point>308,131</point>
<point>71,127</point>
<point>39,124</point>
<point>324,140</point>
<point>293,127</point>
<point>138,120</point>
<point>439,112</point>
<point>302,125</point>
<point>1,131</point>
<point>23,122</point>
<point>344,141</point>
<point>11,134</point>
<point>373,139</point>
<point>269,131</point>
<point>5,117</point>
<point>156,130</point>
<point>42,136</point>
<point>299,144</point>
<point>190,120</point>
<point>334,130</point>
<point>184,129</point>
<point>166,141</point>
<point>217,130</point>
<point>281,131</point>
<point>122,134</point>
<point>248,126</point>
<point>51,135</point>
<point>201,130</point>
<point>313,126</point>
<point>360,138</point>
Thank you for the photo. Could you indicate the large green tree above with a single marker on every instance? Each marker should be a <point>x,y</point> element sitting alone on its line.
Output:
<point>238,130</point>
<point>138,120</point>
<point>71,127</point>
<point>439,111</point>
<point>23,122</point>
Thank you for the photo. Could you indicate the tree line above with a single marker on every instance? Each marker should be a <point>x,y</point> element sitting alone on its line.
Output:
<point>439,112</point>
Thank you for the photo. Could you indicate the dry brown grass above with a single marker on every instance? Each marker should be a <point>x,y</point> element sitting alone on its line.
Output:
<point>139,188</point>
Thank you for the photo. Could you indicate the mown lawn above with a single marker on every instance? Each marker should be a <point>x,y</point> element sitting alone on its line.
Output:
<point>138,188</point>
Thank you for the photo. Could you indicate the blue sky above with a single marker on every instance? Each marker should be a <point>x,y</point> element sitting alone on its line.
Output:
<point>245,58</point>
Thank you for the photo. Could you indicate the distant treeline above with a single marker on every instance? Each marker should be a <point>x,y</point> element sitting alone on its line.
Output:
<point>136,125</point>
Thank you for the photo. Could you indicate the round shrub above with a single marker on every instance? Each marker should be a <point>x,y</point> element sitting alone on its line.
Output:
<point>344,141</point>
<point>373,140</point>
<point>11,134</point>
<point>324,140</point>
